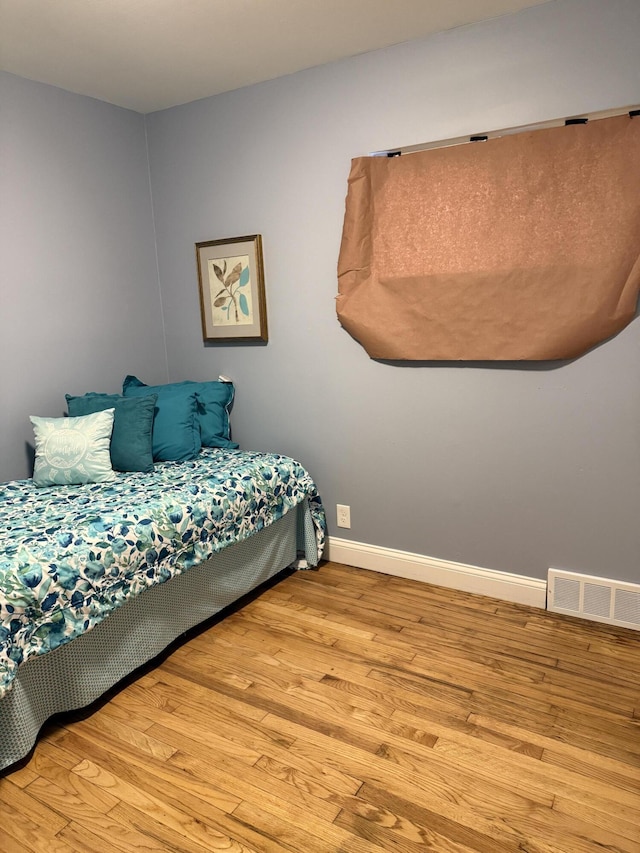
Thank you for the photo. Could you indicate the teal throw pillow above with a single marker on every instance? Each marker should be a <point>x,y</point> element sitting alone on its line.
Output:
<point>131,441</point>
<point>214,404</point>
<point>176,431</point>
<point>73,450</point>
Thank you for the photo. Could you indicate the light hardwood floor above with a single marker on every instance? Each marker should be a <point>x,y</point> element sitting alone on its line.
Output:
<point>344,711</point>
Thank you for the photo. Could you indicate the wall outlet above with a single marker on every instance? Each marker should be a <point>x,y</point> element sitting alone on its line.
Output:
<point>344,515</point>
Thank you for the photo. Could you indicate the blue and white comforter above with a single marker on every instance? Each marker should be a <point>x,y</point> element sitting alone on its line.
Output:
<point>71,554</point>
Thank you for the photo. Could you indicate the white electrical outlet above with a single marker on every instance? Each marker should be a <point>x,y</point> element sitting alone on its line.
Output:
<point>344,515</point>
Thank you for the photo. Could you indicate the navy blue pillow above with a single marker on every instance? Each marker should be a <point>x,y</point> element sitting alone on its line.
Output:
<point>131,440</point>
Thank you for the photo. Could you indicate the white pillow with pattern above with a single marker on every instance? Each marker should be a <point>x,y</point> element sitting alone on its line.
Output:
<point>73,450</point>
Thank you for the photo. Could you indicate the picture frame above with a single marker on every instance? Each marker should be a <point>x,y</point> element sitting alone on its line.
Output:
<point>233,303</point>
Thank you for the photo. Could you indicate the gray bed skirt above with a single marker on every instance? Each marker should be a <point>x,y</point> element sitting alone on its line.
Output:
<point>76,674</point>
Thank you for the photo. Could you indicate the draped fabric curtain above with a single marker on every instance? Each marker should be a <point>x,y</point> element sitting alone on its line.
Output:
<point>521,247</point>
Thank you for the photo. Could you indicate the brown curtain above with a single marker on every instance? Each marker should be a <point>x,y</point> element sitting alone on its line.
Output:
<point>521,247</point>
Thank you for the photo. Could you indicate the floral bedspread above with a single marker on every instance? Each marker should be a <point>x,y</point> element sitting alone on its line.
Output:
<point>71,554</point>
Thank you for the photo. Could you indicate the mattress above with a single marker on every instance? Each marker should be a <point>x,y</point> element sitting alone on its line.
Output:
<point>77,673</point>
<point>72,555</point>
<point>97,579</point>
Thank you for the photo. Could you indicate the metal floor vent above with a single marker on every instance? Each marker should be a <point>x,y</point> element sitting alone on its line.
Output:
<point>600,599</point>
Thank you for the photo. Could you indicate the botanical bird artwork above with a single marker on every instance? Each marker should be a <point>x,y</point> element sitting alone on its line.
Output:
<point>230,288</point>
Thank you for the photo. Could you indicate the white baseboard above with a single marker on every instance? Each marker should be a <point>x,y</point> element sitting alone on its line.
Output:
<point>403,564</point>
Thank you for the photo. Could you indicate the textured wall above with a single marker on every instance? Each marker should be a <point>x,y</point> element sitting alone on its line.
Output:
<point>79,301</point>
<point>511,468</point>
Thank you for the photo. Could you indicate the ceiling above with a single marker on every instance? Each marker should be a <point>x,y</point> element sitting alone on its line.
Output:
<point>147,55</point>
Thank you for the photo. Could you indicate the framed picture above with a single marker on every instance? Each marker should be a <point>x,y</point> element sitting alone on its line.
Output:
<point>232,297</point>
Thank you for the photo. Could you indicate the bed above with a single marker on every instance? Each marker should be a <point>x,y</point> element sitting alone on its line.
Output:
<point>97,579</point>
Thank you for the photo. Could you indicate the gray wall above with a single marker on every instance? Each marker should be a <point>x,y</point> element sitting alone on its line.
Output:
<point>506,467</point>
<point>79,300</point>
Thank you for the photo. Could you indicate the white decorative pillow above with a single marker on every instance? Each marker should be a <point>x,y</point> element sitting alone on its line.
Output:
<point>73,450</point>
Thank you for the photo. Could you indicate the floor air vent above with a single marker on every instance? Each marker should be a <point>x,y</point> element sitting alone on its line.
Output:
<point>614,602</point>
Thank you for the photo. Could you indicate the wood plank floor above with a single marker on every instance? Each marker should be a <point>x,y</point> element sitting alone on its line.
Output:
<point>344,711</point>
